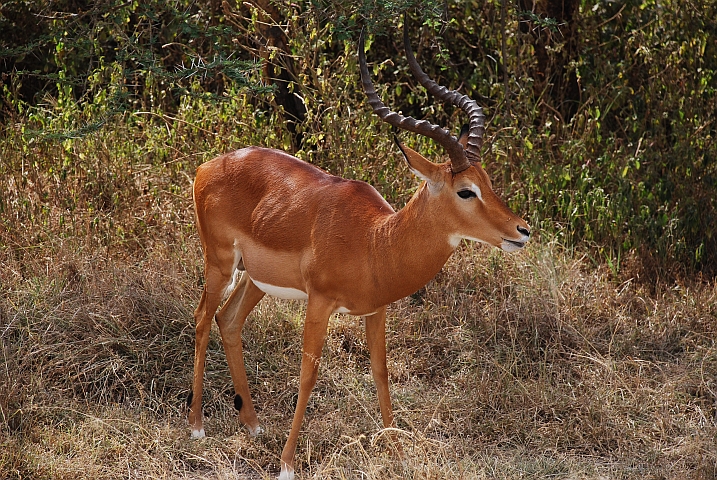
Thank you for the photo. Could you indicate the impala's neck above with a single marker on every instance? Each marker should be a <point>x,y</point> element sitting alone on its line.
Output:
<point>412,245</point>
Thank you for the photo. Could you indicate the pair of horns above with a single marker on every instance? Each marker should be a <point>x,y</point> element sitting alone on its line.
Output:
<point>460,158</point>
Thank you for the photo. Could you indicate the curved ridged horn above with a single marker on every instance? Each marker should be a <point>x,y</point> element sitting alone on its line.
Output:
<point>464,102</point>
<point>422,127</point>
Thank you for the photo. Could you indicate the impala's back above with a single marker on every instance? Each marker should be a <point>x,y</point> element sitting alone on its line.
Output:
<point>282,220</point>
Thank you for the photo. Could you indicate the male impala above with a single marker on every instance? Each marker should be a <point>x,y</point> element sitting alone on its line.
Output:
<point>301,233</point>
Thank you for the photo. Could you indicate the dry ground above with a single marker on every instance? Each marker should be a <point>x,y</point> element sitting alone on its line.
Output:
<point>534,365</point>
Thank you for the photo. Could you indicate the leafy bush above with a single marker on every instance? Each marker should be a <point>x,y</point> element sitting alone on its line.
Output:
<point>626,168</point>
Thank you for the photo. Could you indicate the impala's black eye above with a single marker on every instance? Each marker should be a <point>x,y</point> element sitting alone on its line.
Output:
<point>466,194</point>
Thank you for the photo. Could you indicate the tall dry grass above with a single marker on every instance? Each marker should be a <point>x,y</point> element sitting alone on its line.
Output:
<point>505,366</point>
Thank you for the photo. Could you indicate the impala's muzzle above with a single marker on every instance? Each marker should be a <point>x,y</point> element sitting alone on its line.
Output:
<point>512,245</point>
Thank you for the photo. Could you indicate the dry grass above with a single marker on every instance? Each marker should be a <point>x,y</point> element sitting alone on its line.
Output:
<point>535,365</point>
<point>525,366</point>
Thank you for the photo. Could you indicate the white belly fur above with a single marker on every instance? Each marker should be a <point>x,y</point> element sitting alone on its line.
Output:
<point>286,293</point>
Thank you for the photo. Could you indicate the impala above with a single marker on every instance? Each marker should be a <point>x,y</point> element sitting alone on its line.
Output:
<point>300,233</point>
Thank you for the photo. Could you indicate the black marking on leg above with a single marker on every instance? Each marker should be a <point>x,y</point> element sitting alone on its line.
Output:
<point>238,402</point>
<point>190,397</point>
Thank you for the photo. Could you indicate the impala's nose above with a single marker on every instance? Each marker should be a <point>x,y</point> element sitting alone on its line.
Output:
<point>524,231</point>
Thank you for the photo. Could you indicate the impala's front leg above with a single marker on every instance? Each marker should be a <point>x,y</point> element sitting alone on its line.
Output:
<point>376,341</point>
<point>318,312</point>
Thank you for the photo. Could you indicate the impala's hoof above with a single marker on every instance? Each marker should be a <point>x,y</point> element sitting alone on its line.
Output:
<point>287,473</point>
<point>256,431</point>
<point>197,434</point>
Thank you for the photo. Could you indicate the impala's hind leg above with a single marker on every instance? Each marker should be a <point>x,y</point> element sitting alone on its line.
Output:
<point>217,281</point>
<point>231,320</point>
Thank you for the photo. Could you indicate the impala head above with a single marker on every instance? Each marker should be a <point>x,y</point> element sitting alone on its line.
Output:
<point>461,186</point>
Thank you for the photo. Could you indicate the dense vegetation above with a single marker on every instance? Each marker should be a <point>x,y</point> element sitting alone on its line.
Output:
<point>602,115</point>
<point>591,354</point>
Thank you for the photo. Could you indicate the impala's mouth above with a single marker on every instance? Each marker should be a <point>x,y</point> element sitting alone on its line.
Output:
<point>511,245</point>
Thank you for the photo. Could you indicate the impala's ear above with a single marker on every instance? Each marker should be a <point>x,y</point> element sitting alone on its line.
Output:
<point>463,136</point>
<point>421,167</point>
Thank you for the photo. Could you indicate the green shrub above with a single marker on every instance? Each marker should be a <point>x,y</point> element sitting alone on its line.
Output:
<point>630,171</point>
